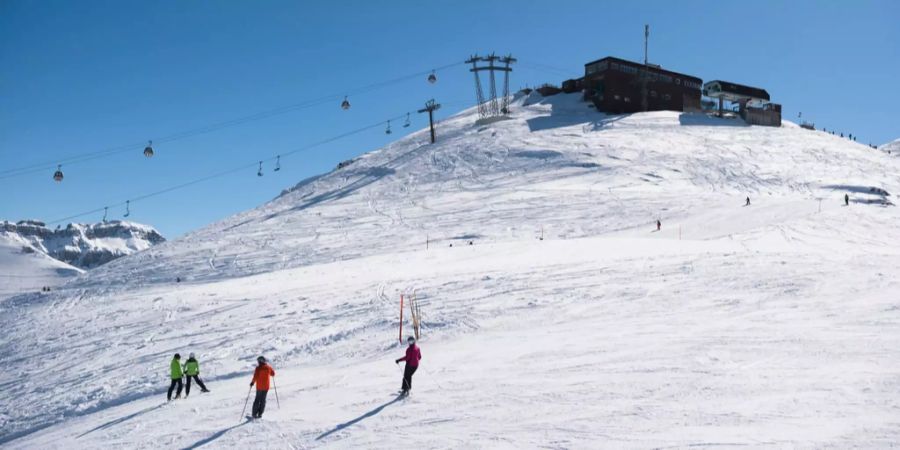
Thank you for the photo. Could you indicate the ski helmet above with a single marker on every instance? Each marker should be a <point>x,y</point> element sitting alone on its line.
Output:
<point>191,355</point>
<point>177,356</point>
<point>411,340</point>
<point>261,359</point>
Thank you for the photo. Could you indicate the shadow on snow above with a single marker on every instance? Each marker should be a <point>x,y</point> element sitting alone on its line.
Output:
<point>213,437</point>
<point>115,422</point>
<point>360,418</point>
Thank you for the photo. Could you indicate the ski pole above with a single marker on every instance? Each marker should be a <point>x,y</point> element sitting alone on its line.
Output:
<point>245,404</point>
<point>275,388</point>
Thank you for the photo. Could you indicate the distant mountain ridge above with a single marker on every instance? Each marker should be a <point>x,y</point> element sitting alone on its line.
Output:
<point>83,245</point>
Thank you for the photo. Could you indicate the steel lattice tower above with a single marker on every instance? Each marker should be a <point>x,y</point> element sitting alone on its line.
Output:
<point>491,107</point>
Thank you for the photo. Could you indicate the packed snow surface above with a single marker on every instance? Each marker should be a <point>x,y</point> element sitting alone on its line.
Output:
<point>554,314</point>
<point>24,269</point>
<point>892,148</point>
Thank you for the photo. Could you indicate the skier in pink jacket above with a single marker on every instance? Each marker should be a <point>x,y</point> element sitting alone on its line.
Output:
<point>413,355</point>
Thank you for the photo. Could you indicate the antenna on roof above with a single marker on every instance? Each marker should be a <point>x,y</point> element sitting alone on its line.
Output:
<point>646,38</point>
<point>644,73</point>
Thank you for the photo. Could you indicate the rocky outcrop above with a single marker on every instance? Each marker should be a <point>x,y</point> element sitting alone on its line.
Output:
<point>84,245</point>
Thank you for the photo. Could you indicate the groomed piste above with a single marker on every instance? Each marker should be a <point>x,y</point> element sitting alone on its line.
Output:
<point>554,314</point>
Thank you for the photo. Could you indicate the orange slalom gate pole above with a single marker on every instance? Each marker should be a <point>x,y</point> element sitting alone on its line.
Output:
<point>401,318</point>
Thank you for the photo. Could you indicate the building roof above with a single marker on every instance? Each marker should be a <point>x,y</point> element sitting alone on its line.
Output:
<point>652,67</point>
<point>736,91</point>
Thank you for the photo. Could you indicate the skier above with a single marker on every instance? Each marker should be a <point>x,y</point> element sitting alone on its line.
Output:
<point>192,370</point>
<point>658,225</point>
<point>261,380</point>
<point>176,374</point>
<point>412,358</point>
<point>748,202</point>
<point>846,199</point>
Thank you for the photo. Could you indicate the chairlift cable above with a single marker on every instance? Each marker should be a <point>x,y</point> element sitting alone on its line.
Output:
<point>240,168</point>
<point>84,157</point>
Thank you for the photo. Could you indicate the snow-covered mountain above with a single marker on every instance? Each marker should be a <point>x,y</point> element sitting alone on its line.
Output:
<point>554,313</point>
<point>891,148</point>
<point>83,245</point>
<point>22,269</point>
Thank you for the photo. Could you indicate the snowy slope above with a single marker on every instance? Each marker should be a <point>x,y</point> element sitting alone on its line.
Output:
<point>774,324</point>
<point>892,148</point>
<point>23,269</point>
<point>84,245</point>
<point>506,181</point>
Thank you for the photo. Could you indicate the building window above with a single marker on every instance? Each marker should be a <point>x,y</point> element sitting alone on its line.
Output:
<point>678,81</point>
<point>616,97</point>
<point>667,97</point>
<point>627,99</point>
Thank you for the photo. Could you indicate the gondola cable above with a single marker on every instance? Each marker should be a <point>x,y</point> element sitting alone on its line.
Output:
<point>15,172</point>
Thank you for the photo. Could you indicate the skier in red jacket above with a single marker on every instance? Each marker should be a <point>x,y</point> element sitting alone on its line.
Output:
<point>412,358</point>
<point>261,380</point>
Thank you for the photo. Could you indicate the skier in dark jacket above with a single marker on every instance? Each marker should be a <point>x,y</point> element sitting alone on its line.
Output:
<point>176,374</point>
<point>412,358</point>
<point>192,370</point>
<point>748,202</point>
<point>846,199</point>
<point>658,225</point>
<point>261,380</point>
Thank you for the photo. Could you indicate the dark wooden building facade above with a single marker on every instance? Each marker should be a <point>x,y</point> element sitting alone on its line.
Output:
<point>619,86</point>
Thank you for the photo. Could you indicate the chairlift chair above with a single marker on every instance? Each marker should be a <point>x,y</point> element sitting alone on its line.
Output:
<point>58,175</point>
<point>388,129</point>
<point>148,150</point>
<point>259,172</point>
<point>127,208</point>
<point>432,78</point>
<point>406,124</point>
<point>345,105</point>
<point>277,164</point>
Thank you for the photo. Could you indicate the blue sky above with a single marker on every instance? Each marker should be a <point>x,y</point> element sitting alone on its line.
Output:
<point>79,77</point>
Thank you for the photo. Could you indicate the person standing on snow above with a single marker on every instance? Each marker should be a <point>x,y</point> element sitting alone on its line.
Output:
<point>748,202</point>
<point>846,199</point>
<point>192,370</point>
<point>658,225</point>
<point>412,358</point>
<point>176,374</point>
<point>261,380</point>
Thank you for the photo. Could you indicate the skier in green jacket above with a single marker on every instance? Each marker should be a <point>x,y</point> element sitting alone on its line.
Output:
<point>192,370</point>
<point>176,373</point>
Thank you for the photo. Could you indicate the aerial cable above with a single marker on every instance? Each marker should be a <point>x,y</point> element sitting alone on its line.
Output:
<point>84,157</point>
<point>127,203</point>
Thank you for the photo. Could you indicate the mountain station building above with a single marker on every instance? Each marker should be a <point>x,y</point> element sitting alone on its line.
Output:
<point>618,86</point>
